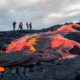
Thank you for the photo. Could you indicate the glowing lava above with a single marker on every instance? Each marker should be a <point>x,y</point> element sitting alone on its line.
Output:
<point>68,57</point>
<point>57,42</point>
<point>63,45</point>
<point>2,69</point>
<point>30,44</point>
<point>68,28</point>
<point>19,44</point>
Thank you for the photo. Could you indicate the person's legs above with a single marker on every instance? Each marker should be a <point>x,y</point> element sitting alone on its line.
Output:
<point>30,28</point>
<point>21,28</point>
<point>27,27</point>
<point>14,28</point>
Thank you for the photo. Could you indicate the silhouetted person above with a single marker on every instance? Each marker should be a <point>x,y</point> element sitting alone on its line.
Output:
<point>30,25</point>
<point>14,26</point>
<point>20,26</point>
<point>27,25</point>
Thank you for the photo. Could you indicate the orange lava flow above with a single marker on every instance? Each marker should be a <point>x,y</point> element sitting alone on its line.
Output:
<point>58,42</point>
<point>2,69</point>
<point>68,28</point>
<point>18,45</point>
<point>61,41</point>
<point>62,45</point>
<point>30,44</point>
<point>68,57</point>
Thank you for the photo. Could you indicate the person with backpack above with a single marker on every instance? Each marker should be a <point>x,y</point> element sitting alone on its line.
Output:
<point>20,26</point>
<point>30,26</point>
<point>14,25</point>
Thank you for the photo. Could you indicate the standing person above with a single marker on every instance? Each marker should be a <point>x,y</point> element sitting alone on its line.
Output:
<point>20,26</point>
<point>30,25</point>
<point>14,25</point>
<point>27,25</point>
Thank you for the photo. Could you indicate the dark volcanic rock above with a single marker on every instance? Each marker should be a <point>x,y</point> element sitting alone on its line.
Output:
<point>42,65</point>
<point>73,36</point>
<point>75,50</point>
<point>68,69</point>
<point>77,28</point>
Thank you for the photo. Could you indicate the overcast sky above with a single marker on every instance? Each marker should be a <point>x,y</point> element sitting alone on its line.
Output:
<point>43,13</point>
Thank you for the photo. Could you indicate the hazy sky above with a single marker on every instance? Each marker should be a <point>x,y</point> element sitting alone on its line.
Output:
<point>43,13</point>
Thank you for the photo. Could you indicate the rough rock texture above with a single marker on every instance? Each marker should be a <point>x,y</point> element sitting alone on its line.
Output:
<point>68,69</point>
<point>73,36</point>
<point>38,67</point>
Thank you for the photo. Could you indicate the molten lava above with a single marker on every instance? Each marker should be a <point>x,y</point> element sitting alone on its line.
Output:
<point>57,42</point>
<point>68,28</point>
<point>67,57</point>
<point>30,44</point>
<point>2,69</point>
<point>63,45</point>
<point>18,45</point>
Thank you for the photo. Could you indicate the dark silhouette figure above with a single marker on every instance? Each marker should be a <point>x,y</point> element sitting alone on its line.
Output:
<point>27,25</point>
<point>20,26</point>
<point>30,25</point>
<point>14,26</point>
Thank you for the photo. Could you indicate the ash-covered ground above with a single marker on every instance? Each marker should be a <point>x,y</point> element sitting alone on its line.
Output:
<point>68,69</point>
<point>48,63</point>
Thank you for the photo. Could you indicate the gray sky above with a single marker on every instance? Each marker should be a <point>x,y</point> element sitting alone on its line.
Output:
<point>43,13</point>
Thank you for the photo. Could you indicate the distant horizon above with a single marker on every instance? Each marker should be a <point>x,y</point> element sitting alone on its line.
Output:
<point>25,28</point>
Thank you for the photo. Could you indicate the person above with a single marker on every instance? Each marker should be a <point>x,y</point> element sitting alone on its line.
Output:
<point>30,25</point>
<point>14,25</point>
<point>20,26</point>
<point>27,25</point>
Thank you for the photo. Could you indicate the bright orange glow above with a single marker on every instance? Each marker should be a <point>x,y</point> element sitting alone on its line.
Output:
<point>68,28</point>
<point>68,57</point>
<point>18,45</point>
<point>2,69</point>
<point>61,41</point>
<point>30,44</point>
<point>62,45</point>
<point>58,42</point>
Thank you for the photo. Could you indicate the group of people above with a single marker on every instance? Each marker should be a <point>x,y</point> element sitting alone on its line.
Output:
<point>20,26</point>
